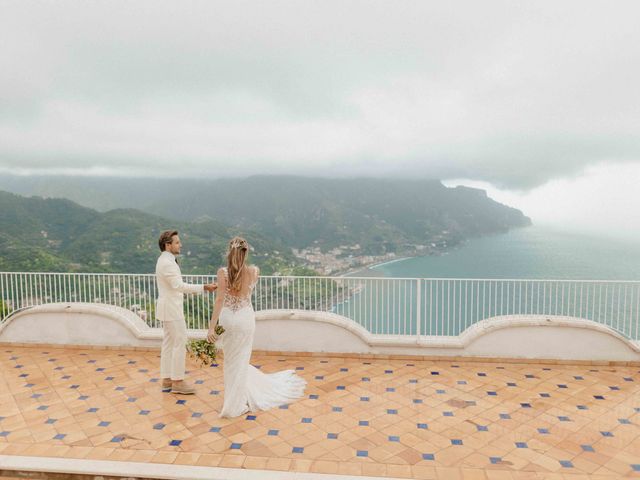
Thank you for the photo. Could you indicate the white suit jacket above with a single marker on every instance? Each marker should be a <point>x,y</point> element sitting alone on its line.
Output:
<point>171,288</point>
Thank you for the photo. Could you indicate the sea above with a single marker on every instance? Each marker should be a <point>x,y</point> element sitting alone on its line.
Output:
<point>535,252</point>
<point>523,271</point>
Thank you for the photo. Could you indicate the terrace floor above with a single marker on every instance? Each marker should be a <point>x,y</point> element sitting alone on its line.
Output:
<point>440,419</point>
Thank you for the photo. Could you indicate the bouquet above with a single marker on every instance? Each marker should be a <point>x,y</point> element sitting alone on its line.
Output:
<point>202,351</point>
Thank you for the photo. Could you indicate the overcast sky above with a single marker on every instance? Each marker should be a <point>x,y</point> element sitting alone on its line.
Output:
<point>518,96</point>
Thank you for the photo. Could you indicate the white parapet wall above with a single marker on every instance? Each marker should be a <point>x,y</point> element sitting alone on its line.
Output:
<point>520,336</point>
<point>78,324</point>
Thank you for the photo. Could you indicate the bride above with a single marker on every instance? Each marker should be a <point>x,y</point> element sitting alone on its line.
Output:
<point>245,387</point>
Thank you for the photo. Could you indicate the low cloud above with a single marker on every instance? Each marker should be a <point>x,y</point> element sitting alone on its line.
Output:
<point>535,91</point>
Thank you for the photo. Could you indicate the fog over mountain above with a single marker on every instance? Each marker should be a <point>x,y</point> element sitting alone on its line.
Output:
<point>379,215</point>
<point>536,101</point>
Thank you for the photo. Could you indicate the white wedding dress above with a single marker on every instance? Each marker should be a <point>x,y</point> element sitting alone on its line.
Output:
<point>245,387</point>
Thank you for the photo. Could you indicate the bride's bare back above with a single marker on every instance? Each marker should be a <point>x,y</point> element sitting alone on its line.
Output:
<point>237,299</point>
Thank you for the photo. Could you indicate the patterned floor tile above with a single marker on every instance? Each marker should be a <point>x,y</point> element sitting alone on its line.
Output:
<point>359,416</point>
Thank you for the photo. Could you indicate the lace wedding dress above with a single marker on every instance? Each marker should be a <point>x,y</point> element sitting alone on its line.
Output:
<point>245,387</point>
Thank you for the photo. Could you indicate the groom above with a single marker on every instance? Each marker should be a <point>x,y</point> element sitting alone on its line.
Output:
<point>169,310</point>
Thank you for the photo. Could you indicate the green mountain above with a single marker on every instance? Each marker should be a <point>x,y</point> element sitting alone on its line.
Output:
<point>380,215</point>
<point>59,235</point>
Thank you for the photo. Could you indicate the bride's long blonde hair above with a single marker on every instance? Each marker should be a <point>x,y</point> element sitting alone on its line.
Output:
<point>236,257</point>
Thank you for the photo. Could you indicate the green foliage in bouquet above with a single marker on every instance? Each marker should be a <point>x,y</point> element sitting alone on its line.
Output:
<point>202,351</point>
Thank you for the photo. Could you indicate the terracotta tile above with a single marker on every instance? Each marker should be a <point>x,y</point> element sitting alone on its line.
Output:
<point>498,475</point>
<point>349,468</point>
<point>149,407</point>
<point>99,453</point>
<point>256,463</point>
<point>232,461</point>
<point>121,454</point>
<point>143,456</point>
<point>276,463</point>
<point>424,472</point>
<point>164,457</point>
<point>402,471</point>
<point>187,459</point>
<point>448,473</point>
<point>324,466</point>
<point>374,469</point>
<point>209,460</point>
<point>473,474</point>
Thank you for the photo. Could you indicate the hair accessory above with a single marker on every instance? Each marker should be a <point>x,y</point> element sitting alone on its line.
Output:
<point>239,243</point>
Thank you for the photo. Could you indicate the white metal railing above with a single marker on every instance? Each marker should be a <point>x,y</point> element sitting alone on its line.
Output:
<point>396,306</point>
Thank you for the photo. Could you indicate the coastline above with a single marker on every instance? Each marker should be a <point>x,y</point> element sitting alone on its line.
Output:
<point>529,254</point>
<point>371,267</point>
<point>369,270</point>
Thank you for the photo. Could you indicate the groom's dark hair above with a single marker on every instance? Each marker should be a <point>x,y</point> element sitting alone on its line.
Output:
<point>166,237</point>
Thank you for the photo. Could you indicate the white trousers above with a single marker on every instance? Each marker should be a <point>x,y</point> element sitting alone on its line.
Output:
<point>172,355</point>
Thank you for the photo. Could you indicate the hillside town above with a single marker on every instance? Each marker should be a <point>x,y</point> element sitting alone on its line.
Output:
<point>348,258</point>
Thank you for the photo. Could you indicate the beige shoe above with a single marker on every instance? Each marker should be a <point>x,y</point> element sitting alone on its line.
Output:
<point>166,383</point>
<point>182,387</point>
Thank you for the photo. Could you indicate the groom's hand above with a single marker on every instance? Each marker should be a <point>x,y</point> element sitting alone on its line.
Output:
<point>210,287</point>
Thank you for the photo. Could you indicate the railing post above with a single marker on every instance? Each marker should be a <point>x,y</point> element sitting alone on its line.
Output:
<point>418,307</point>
